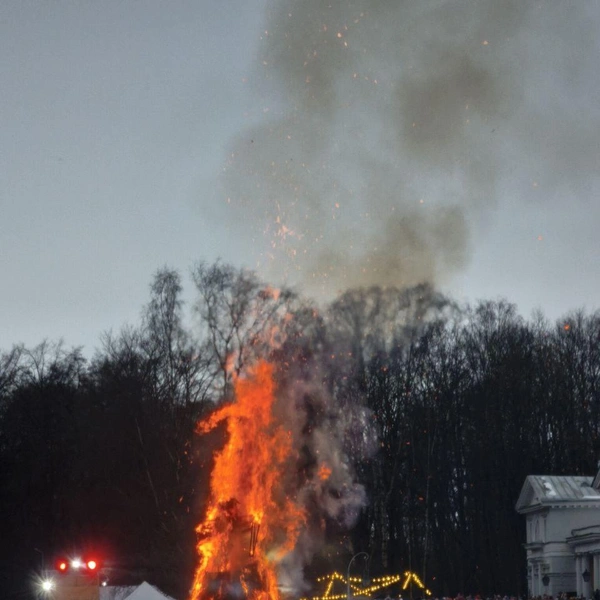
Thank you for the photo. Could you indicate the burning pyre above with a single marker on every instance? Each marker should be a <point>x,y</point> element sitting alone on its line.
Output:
<point>250,524</point>
<point>281,476</point>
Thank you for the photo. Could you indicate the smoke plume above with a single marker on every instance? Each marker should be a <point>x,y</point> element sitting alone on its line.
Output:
<point>385,129</point>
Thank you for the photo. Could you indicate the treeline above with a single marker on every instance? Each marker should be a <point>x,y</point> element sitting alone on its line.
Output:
<point>453,406</point>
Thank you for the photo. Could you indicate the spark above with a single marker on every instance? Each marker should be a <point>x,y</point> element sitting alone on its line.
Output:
<point>324,473</point>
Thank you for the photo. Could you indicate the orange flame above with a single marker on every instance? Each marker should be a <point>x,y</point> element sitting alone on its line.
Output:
<point>250,523</point>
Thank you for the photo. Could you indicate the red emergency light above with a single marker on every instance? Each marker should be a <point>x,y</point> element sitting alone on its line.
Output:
<point>62,566</point>
<point>76,565</point>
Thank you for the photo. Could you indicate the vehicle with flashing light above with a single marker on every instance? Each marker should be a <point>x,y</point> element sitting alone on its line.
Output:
<point>73,579</point>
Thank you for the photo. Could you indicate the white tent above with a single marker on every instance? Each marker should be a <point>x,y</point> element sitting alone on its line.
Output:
<point>144,591</point>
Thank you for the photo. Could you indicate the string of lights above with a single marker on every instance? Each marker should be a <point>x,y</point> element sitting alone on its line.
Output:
<point>356,584</point>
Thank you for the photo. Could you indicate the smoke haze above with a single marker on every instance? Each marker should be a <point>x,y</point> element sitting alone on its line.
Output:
<point>388,130</point>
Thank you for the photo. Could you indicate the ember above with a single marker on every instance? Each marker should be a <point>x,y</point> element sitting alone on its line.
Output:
<point>250,524</point>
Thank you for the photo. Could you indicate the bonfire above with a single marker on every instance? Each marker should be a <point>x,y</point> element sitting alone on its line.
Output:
<point>250,524</point>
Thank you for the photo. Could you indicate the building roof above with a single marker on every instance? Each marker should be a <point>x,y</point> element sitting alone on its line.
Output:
<point>548,490</point>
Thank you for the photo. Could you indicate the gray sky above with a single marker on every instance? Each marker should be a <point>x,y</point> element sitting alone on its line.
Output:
<point>327,144</point>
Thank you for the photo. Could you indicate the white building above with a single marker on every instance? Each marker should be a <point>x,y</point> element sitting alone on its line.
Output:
<point>562,516</point>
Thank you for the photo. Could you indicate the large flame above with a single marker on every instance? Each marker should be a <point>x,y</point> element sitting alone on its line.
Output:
<point>250,523</point>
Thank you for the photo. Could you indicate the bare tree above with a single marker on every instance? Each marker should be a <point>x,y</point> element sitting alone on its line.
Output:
<point>241,316</point>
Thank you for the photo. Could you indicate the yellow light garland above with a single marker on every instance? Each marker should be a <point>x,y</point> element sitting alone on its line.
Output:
<point>376,584</point>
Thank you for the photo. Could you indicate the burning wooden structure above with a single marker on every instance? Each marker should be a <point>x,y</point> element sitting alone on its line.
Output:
<point>250,524</point>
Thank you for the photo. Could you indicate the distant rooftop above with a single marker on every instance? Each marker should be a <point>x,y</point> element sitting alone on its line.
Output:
<point>542,490</point>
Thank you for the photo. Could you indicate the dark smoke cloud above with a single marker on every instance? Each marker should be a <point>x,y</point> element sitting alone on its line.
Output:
<point>320,433</point>
<point>389,128</point>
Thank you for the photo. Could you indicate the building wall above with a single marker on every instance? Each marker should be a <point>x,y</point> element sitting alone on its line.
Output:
<point>556,524</point>
<point>550,555</point>
<point>556,561</point>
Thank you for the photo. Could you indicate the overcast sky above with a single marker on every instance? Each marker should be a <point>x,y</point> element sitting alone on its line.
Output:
<point>326,144</point>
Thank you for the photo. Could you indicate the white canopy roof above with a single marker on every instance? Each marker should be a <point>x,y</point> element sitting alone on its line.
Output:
<point>144,591</point>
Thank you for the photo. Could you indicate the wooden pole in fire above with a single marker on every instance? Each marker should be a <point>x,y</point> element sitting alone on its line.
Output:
<point>253,537</point>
